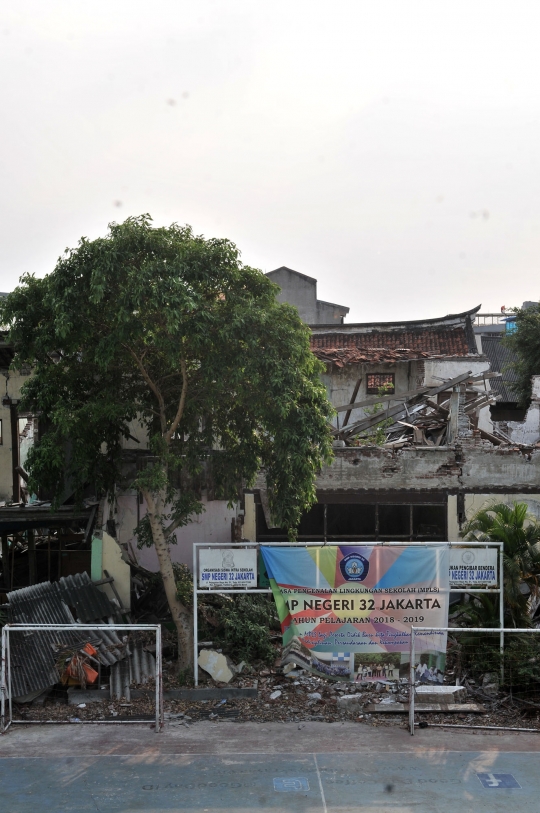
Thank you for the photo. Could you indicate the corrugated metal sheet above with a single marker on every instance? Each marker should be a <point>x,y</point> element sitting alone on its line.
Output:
<point>500,357</point>
<point>34,654</point>
<point>138,667</point>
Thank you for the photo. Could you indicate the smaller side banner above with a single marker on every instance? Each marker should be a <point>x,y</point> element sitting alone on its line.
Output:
<point>228,567</point>
<point>473,567</point>
<point>360,600</point>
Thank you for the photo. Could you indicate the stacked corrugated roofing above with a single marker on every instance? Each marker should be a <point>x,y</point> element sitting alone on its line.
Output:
<point>34,654</point>
<point>500,358</point>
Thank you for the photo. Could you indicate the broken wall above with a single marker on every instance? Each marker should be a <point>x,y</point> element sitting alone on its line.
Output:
<point>340,382</point>
<point>107,555</point>
<point>14,385</point>
<point>526,431</point>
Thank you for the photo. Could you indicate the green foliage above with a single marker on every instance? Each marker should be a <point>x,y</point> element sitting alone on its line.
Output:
<point>519,532</point>
<point>244,625</point>
<point>184,584</point>
<point>525,342</point>
<point>519,665</point>
<point>239,624</point>
<point>163,327</point>
<point>482,610</point>
<point>377,659</point>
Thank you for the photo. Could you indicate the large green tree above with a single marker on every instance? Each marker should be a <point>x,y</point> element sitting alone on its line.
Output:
<point>525,342</point>
<point>168,328</point>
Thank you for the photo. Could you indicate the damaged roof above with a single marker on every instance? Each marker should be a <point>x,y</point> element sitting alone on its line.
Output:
<point>395,341</point>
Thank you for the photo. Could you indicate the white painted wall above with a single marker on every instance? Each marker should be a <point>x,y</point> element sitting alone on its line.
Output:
<point>437,369</point>
<point>213,525</point>
<point>527,431</point>
<point>116,567</point>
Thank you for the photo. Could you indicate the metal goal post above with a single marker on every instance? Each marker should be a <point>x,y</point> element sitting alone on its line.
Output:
<point>70,633</point>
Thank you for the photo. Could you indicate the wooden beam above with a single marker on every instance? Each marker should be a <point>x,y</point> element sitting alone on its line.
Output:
<point>490,437</point>
<point>377,399</point>
<point>31,556</point>
<point>342,409</point>
<point>373,420</point>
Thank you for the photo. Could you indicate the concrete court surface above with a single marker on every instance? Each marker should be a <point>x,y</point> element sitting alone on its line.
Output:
<point>247,767</point>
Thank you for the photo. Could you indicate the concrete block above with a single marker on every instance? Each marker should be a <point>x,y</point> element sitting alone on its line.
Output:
<point>441,694</point>
<point>349,701</point>
<point>218,666</point>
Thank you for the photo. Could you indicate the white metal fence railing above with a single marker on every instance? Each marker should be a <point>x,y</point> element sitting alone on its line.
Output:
<point>497,669</point>
<point>54,646</point>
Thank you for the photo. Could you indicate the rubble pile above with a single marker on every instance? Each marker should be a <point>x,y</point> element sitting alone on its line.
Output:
<point>298,699</point>
<point>426,416</point>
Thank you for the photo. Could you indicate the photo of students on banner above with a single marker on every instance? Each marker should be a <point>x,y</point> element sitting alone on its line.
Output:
<point>359,601</point>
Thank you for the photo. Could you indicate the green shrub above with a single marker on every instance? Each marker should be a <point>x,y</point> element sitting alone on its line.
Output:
<point>238,624</point>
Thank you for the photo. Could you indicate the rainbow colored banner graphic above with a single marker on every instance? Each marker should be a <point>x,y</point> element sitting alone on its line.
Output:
<point>361,599</point>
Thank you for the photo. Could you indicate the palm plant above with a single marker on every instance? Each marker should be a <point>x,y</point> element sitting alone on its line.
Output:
<point>519,531</point>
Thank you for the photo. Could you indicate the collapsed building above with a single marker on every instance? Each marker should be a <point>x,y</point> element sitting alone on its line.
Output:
<point>419,445</point>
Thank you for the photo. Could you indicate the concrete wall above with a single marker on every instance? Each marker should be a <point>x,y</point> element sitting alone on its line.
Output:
<point>473,466</point>
<point>475,502</point>
<point>526,431</point>
<point>340,383</point>
<point>437,369</point>
<point>328,314</point>
<point>297,290</point>
<point>107,555</point>
<point>139,439</point>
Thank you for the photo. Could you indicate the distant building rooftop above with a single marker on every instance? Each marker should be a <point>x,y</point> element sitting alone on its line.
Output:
<point>301,291</point>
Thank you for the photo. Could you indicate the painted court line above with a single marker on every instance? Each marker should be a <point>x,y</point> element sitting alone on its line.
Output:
<point>325,809</point>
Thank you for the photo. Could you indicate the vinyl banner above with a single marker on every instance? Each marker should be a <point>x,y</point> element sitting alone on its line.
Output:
<point>361,599</point>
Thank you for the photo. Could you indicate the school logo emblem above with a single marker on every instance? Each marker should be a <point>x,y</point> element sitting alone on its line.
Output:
<point>354,567</point>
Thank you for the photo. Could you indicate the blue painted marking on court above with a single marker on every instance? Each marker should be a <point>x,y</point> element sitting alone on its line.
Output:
<point>426,782</point>
<point>498,780</point>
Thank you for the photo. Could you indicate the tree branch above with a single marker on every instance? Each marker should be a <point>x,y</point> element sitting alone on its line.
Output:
<point>153,386</point>
<point>172,527</point>
<point>181,404</point>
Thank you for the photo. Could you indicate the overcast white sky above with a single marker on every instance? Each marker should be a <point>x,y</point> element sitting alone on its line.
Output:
<point>389,148</point>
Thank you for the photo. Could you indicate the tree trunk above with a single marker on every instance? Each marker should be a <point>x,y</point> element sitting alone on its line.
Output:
<point>181,616</point>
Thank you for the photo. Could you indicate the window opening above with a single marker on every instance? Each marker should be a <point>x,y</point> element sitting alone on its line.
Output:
<point>378,381</point>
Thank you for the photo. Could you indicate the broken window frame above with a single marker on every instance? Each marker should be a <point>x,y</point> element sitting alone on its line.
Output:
<point>380,381</point>
<point>411,534</point>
